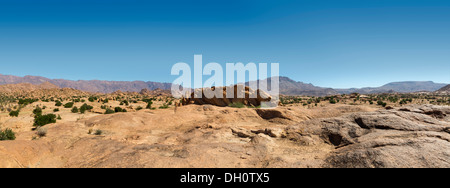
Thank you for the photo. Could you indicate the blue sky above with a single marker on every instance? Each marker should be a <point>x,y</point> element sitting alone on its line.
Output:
<point>330,43</point>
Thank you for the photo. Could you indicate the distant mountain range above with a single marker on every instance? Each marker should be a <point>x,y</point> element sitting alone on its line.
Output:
<point>401,87</point>
<point>287,86</point>
<point>98,86</point>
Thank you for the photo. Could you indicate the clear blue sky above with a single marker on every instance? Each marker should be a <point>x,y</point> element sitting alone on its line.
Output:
<point>330,43</point>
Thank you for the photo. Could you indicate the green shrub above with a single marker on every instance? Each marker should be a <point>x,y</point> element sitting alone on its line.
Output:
<point>118,109</point>
<point>85,107</point>
<point>236,105</point>
<point>139,108</point>
<point>149,105</point>
<point>14,113</point>
<point>56,110</point>
<point>92,99</point>
<point>333,101</point>
<point>7,134</point>
<point>381,103</point>
<point>42,120</point>
<point>109,111</point>
<point>68,105</point>
<point>98,132</point>
<point>26,101</point>
<point>75,109</point>
<point>59,117</point>
<point>37,111</point>
<point>58,103</point>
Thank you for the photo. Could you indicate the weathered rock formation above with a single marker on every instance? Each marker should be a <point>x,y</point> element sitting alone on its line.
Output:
<point>414,136</point>
<point>198,96</point>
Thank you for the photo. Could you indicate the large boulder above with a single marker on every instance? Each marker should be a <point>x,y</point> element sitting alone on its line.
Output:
<point>405,137</point>
<point>198,96</point>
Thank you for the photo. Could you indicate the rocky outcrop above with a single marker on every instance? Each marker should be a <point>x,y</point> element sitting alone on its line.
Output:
<point>198,97</point>
<point>414,136</point>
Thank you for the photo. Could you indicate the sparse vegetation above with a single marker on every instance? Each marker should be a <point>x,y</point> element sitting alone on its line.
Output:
<point>14,113</point>
<point>98,132</point>
<point>109,111</point>
<point>92,99</point>
<point>37,111</point>
<point>68,105</point>
<point>58,103</point>
<point>7,134</point>
<point>85,107</point>
<point>75,110</point>
<point>41,132</point>
<point>118,109</point>
<point>237,105</point>
<point>26,102</point>
<point>41,120</point>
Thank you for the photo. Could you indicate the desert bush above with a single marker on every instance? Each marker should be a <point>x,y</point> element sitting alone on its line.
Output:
<point>118,109</point>
<point>75,110</point>
<point>139,108</point>
<point>42,120</point>
<point>98,132</point>
<point>381,103</point>
<point>333,101</point>
<point>7,134</point>
<point>149,105</point>
<point>37,111</point>
<point>92,99</point>
<point>58,103</point>
<point>68,105</point>
<point>85,107</point>
<point>59,117</point>
<point>236,105</point>
<point>26,101</point>
<point>124,102</point>
<point>14,113</point>
<point>56,110</point>
<point>109,111</point>
<point>41,132</point>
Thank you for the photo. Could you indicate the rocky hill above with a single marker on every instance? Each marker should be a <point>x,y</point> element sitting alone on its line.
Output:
<point>445,89</point>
